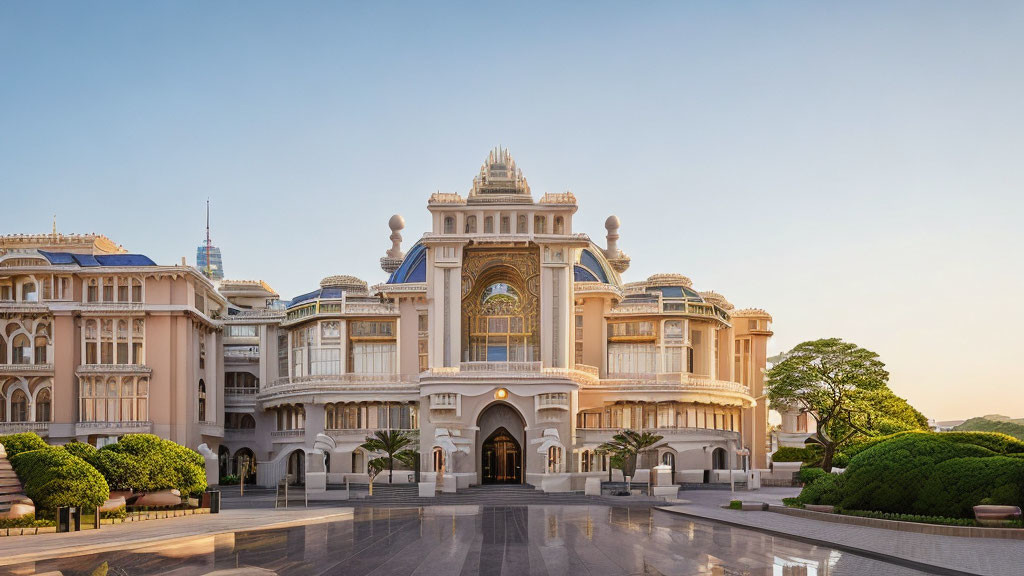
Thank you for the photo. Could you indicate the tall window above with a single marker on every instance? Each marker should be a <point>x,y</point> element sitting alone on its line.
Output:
<point>422,342</point>
<point>136,290</point>
<point>521,224</point>
<point>539,225</point>
<point>498,333</point>
<point>579,339</point>
<point>122,341</point>
<point>19,406</point>
<point>29,293</point>
<point>282,354</point>
<point>122,289</point>
<point>108,289</point>
<point>40,349</point>
<point>138,338</point>
<point>111,400</point>
<point>92,291</point>
<point>43,405</point>
<point>21,350</point>
<point>202,401</point>
<point>373,347</point>
<point>506,225</point>
<point>106,341</point>
<point>559,225</point>
<point>470,224</point>
<point>488,224</point>
<point>92,338</point>
<point>449,225</point>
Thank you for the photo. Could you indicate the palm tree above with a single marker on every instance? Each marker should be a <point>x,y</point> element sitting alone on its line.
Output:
<point>394,444</point>
<point>629,444</point>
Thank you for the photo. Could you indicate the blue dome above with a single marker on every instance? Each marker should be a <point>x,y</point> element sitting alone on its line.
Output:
<point>413,268</point>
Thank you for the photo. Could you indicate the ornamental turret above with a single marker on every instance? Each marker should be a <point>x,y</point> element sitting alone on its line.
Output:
<point>617,258</point>
<point>393,258</point>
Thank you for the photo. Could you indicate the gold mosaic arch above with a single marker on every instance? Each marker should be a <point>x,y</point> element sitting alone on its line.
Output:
<point>520,269</point>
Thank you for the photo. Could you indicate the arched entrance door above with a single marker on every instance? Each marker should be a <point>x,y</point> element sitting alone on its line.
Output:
<point>297,468</point>
<point>502,459</point>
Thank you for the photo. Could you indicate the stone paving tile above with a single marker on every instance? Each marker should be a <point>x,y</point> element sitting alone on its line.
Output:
<point>985,556</point>
<point>15,549</point>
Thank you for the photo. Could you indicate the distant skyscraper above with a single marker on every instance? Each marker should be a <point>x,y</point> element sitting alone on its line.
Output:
<point>208,257</point>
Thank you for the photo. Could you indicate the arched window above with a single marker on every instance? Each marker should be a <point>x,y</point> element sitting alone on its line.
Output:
<point>21,351</point>
<point>449,225</point>
<point>136,290</point>
<point>438,458</point>
<point>506,225</point>
<point>559,225</point>
<point>470,224</point>
<point>19,406</point>
<point>521,224</point>
<point>127,400</point>
<point>202,401</point>
<point>41,341</point>
<point>358,462</point>
<point>586,461</point>
<point>122,342</point>
<point>247,422</point>
<point>554,459</point>
<point>29,293</point>
<point>539,225</point>
<point>330,417</point>
<point>489,225</point>
<point>3,408</point>
<point>718,459</point>
<point>43,405</point>
<point>3,350</point>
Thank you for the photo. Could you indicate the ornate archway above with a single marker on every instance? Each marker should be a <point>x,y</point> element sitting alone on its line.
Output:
<point>501,459</point>
<point>500,315</point>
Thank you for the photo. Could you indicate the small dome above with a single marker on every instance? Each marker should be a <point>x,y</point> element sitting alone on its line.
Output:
<point>396,223</point>
<point>612,223</point>
<point>717,299</point>
<point>347,283</point>
<point>669,280</point>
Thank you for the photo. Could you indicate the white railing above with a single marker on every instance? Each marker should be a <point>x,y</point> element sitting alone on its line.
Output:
<point>682,382</point>
<point>113,369</point>
<point>240,391</point>
<point>349,378</point>
<point>40,428</point>
<point>500,366</point>
<point>444,401</point>
<point>14,368</point>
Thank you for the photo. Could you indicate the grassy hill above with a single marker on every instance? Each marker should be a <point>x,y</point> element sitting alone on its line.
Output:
<point>995,423</point>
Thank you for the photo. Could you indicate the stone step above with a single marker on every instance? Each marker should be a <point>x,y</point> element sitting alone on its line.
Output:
<point>7,498</point>
<point>11,489</point>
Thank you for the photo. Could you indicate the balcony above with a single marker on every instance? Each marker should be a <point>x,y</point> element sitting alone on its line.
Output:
<point>27,369</point>
<point>113,428</point>
<point>92,369</point>
<point>40,428</point>
<point>504,367</point>
<point>240,396</point>
<point>285,436</point>
<point>602,435</point>
<point>211,429</point>
<point>234,356</point>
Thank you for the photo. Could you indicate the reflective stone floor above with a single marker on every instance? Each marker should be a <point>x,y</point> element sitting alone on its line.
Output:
<point>484,541</point>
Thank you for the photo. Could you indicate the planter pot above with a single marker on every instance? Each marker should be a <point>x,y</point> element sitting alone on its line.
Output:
<point>990,515</point>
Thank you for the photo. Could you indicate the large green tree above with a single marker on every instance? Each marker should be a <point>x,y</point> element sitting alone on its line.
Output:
<point>844,388</point>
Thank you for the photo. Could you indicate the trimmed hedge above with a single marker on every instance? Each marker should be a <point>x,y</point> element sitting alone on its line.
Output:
<point>925,473</point>
<point>54,477</point>
<point>22,442</point>
<point>825,489</point>
<point>956,486</point>
<point>791,454</point>
<point>146,462</point>
<point>809,475</point>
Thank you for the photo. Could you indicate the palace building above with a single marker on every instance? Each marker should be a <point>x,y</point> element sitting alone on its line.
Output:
<point>508,342</point>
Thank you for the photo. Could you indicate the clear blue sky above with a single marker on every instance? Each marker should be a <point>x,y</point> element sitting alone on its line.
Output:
<point>854,169</point>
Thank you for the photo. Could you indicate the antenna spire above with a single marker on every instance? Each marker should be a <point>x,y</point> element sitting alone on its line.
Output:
<point>54,225</point>
<point>209,271</point>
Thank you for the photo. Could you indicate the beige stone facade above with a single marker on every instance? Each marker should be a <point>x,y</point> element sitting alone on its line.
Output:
<point>506,340</point>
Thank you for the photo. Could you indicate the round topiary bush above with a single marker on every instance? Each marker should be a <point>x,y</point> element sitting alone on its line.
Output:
<point>84,451</point>
<point>825,489</point>
<point>22,442</point>
<point>145,463</point>
<point>809,475</point>
<point>54,477</point>
<point>955,486</point>
<point>943,474</point>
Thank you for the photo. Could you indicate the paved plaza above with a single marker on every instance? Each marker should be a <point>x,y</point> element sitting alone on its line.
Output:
<point>483,540</point>
<point>597,535</point>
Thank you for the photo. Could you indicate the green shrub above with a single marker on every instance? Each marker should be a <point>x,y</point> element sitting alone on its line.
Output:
<point>888,476</point>
<point>809,455</point>
<point>840,460</point>
<point>825,489</point>
<point>26,521</point>
<point>911,518</point>
<point>735,504</point>
<point>229,480</point>
<point>22,442</point>
<point>84,451</point>
<point>157,464</point>
<point>118,513</point>
<point>955,486</point>
<point>54,477</point>
<point>809,475</point>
